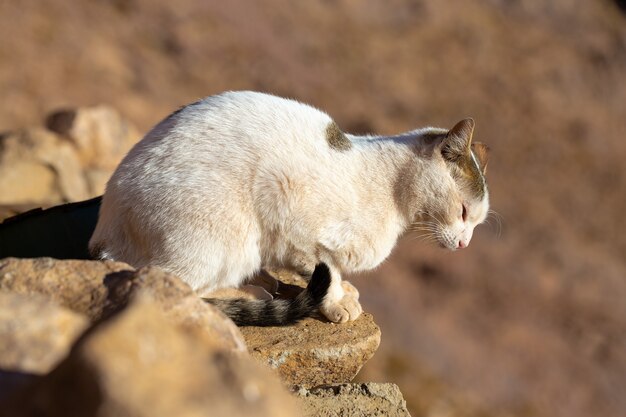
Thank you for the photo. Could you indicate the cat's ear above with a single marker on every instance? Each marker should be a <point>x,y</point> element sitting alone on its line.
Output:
<point>481,151</point>
<point>458,140</point>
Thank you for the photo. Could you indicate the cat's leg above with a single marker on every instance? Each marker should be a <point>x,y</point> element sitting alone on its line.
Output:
<point>257,292</point>
<point>350,289</point>
<point>262,286</point>
<point>342,300</point>
<point>303,264</point>
<point>264,280</point>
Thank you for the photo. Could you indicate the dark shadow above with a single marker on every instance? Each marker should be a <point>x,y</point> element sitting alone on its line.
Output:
<point>60,232</point>
<point>287,291</point>
<point>118,285</point>
<point>11,381</point>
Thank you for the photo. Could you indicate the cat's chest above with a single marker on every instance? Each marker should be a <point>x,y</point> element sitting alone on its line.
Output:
<point>361,246</point>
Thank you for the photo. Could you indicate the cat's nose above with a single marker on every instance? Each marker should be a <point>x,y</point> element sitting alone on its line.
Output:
<point>461,245</point>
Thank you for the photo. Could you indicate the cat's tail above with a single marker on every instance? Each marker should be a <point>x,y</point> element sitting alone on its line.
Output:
<point>278,312</point>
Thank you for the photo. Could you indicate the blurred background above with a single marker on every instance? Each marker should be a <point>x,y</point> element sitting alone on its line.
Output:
<point>530,320</point>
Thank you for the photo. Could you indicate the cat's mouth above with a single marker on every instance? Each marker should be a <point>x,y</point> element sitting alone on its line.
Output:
<point>447,247</point>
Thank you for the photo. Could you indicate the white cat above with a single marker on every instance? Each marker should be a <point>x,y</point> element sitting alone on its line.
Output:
<point>244,180</point>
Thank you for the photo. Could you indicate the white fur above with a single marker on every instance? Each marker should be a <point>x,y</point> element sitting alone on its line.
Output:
<point>243,180</point>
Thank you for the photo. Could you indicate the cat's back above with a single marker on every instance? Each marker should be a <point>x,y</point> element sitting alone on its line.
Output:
<point>247,118</point>
<point>226,138</point>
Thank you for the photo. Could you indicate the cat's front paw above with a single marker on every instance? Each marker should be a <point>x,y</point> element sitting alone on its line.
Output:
<point>346,309</point>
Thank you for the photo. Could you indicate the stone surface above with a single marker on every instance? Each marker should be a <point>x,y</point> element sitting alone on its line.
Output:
<point>354,400</point>
<point>136,363</point>
<point>179,304</point>
<point>97,288</point>
<point>70,161</point>
<point>315,352</point>
<point>101,137</point>
<point>35,334</point>
<point>77,285</point>
<point>37,166</point>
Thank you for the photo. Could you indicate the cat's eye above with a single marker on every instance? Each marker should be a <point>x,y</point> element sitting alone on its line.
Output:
<point>464,214</point>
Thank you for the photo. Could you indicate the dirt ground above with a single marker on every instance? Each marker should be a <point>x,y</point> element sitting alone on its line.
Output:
<point>530,320</point>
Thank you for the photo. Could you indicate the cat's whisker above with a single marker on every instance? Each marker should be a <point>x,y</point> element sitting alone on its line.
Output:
<point>428,230</point>
<point>437,220</point>
<point>426,238</point>
<point>498,219</point>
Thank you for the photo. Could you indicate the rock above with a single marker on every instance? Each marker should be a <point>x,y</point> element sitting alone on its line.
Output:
<point>77,285</point>
<point>315,352</point>
<point>36,166</point>
<point>35,332</point>
<point>101,136</point>
<point>97,288</point>
<point>181,305</point>
<point>354,400</point>
<point>35,335</point>
<point>136,363</point>
<point>71,161</point>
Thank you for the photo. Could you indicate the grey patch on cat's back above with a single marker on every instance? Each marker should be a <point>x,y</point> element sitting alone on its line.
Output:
<point>336,138</point>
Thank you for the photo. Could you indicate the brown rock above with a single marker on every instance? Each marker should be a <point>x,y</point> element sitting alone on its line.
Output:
<point>77,285</point>
<point>314,352</point>
<point>137,364</point>
<point>101,136</point>
<point>354,400</point>
<point>35,334</point>
<point>70,162</point>
<point>97,288</point>
<point>181,305</point>
<point>38,166</point>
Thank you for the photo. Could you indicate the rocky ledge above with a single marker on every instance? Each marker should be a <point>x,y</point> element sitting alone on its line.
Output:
<point>83,338</point>
<point>314,352</point>
<point>354,400</point>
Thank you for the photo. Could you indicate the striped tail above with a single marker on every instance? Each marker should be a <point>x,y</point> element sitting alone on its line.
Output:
<point>278,312</point>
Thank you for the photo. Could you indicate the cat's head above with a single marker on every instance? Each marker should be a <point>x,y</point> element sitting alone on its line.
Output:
<point>463,198</point>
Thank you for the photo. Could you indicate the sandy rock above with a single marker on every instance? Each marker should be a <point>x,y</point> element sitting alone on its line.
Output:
<point>35,332</point>
<point>71,161</point>
<point>179,304</point>
<point>354,400</point>
<point>97,179</point>
<point>138,364</point>
<point>97,288</point>
<point>77,285</point>
<point>315,352</point>
<point>101,136</point>
<point>38,166</point>
<point>35,335</point>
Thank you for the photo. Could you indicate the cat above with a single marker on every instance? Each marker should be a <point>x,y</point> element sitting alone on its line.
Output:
<point>243,180</point>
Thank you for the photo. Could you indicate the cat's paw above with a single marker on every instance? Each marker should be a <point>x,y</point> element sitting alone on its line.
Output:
<point>346,309</point>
